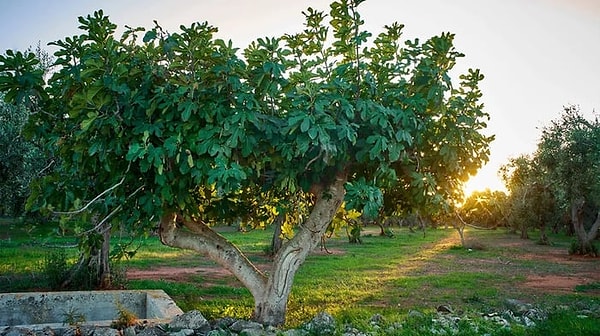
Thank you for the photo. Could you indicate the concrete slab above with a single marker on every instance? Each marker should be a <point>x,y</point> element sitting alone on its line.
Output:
<point>36,310</point>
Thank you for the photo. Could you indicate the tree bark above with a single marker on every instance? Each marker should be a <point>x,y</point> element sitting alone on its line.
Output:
<point>270,293</point>
<point>584,239</point>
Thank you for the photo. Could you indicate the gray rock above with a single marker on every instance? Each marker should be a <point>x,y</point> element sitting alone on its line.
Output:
<point>191,320</point>
<point>255,332</point>
<point>79,331</point>
<point>295,332</point>
<point>19,332</point>
<point>219,332</point>
<point>105,331</point>
<point>377,319</point>
<point>322,324</point>
<point>223,323</point>
<point>518,307</point>
<point>153,331</point>
<point>241,325</point>
<point>182,332</point>
<point>47,331</point>
<point>129,331</point>
<point>415,314</point>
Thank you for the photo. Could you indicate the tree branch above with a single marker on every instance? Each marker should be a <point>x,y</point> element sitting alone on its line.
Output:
<point>75,212</point>
<point>200,238</point>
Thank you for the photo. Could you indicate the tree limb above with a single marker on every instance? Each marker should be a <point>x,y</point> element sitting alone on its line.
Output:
<point>75,212</point>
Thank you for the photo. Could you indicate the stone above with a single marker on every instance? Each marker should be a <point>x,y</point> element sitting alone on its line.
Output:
<point>47,331</point>
<point>241,325</point>
<point>223,323</point>
<point>19,332</point>
<point>219,332</point>
<point>255,332</point>
<point>191,320</point>
<point>129,331</point>
<point>518,307</point>
<point>377,319</point>
<point>105,331</point>
<point>445,309</point>
<point>295,332</point>
<point>415,314</point>
<point>182,332</point>
<point>153,331</point>
<point>322,324</point>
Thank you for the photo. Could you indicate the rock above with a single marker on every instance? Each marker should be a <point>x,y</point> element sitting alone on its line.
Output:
<point>376,320</point>
<point>241,325</point>
<point>518,307</point>
<point>182,332</point>
<point>219,332</point>
<point>445,309</point>
<point>322,324</point>
<point>105,331</point>
<point>47,331</point>
<point>415,314</point>
<point>129,331</point>
<point>223,323</point>
<point>295,332</point>
<point>79,331</point>
<point>153,331</point>
<point>191,320</point>
<point>255,332</point>
<point>12,331</point>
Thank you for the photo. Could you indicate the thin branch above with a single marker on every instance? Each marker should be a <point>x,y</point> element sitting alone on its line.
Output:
<point>95,198</point>
<point>112,213</point>
<point>46,168</point>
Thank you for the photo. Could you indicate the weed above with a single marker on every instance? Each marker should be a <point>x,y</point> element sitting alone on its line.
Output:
<point>73,317</point>
<point>125,318</point>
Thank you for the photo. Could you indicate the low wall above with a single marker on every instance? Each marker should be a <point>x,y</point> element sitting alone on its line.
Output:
<point>101,308</point>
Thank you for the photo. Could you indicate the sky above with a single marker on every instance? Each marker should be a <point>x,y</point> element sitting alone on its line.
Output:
<point>537,55</point>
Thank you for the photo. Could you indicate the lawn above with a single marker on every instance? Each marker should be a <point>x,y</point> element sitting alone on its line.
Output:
<point>388,276</point>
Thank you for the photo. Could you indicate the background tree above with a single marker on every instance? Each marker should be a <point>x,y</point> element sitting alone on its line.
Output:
<point>147,129</point>
<point>531,201</point>
<point>21,158</point>
<point>487,209</point>
<point>569,151</point>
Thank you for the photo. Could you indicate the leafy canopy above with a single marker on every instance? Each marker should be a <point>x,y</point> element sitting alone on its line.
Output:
<point>153,122</point>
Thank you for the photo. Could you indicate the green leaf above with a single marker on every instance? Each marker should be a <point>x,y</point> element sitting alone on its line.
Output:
<point>149,36</point>
<point>305,124</point>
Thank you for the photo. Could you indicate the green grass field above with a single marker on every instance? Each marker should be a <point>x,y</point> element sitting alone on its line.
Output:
<point>387,276</point>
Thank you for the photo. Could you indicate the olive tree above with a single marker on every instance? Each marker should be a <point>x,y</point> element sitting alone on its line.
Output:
<point>569,150</point>
<point>156,127</point>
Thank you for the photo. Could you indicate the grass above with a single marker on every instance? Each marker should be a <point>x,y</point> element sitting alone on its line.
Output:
<point>387,276</point>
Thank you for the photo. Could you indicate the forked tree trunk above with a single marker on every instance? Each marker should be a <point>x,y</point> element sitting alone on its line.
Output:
<point>270,293</point>
<point>584,239</point>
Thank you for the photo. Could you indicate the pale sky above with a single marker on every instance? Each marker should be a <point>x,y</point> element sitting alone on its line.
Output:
<point>537,55</point>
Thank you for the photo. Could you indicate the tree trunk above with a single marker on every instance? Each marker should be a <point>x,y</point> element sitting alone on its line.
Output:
<point>271,306</point>
<point>584,239</point>
<point>276,241</point>
<point>92,270</point>
<point>270,293</point>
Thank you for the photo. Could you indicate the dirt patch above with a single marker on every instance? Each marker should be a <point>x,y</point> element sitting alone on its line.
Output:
<point>559,283</point>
